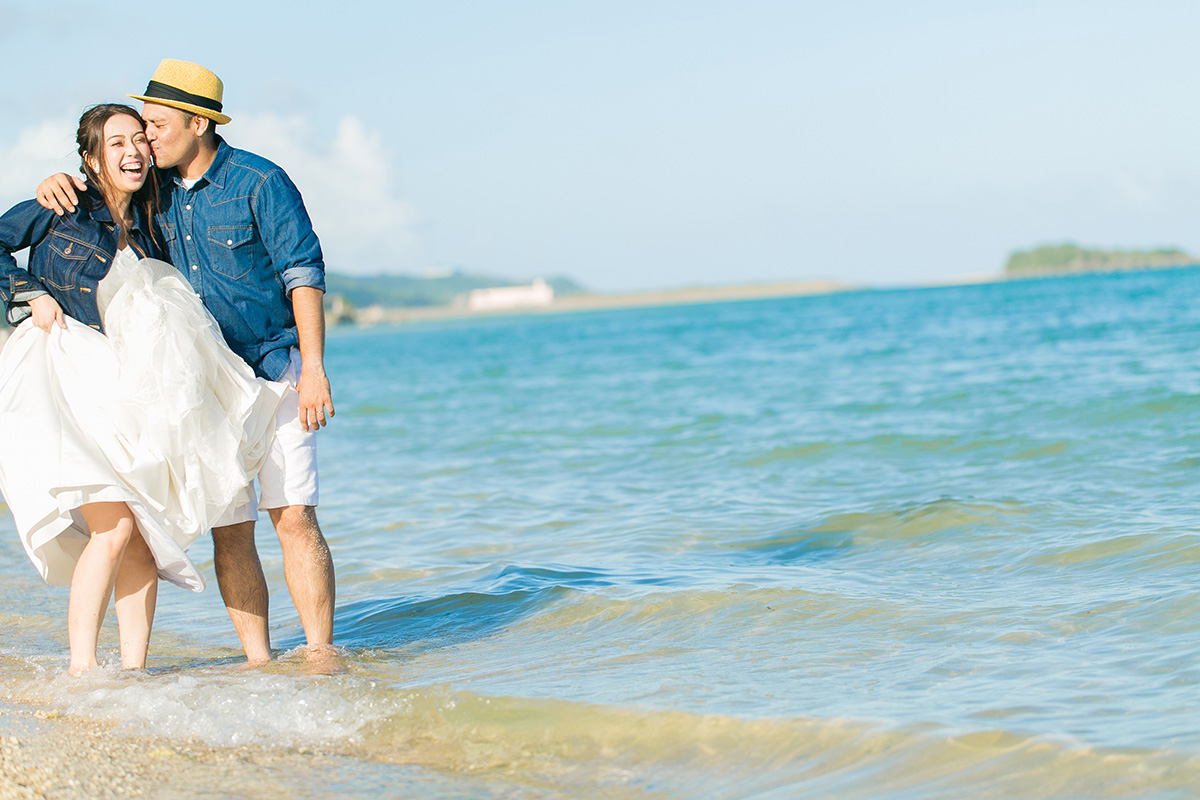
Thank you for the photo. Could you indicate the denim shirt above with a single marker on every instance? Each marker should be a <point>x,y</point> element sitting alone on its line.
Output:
<point>244,240</point>
<point>68,256</point>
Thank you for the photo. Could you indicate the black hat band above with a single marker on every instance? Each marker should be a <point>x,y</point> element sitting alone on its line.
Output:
<point>162,91</point>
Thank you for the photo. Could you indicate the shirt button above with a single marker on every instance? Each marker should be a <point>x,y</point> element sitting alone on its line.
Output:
<point>187,208</point>
<point>229,241</point>
<point>194,266</point>
<point>188,237</point>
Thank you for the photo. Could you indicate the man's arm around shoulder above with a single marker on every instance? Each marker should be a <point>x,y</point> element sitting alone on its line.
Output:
<point>60,192</point>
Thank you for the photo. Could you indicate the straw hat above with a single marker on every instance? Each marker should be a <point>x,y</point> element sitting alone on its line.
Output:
<point>188,87</point>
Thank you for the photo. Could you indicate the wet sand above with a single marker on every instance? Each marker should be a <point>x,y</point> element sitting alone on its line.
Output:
<point>45,755</point>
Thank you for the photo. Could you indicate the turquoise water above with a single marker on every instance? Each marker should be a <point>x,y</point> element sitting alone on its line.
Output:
<point>901,544</point>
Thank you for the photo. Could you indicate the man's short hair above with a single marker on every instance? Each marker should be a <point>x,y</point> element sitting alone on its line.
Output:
<point>189,116</point>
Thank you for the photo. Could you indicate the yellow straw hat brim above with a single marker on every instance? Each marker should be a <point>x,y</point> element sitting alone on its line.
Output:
<point>215,116</point>
<point>187,87</point>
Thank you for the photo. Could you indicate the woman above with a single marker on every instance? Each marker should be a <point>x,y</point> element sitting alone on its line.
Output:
<point>130,426</point>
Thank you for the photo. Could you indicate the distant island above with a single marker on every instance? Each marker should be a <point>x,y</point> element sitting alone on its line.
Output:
<point>1060,258</point>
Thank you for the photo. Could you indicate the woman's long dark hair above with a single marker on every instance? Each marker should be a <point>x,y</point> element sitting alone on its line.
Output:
<point>90,138</point>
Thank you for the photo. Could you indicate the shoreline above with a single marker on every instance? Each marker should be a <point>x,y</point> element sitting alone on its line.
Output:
<point>699,295</point>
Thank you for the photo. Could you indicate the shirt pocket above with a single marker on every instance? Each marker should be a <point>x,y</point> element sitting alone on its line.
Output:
<point>232,250</point>
<point>68,259</point>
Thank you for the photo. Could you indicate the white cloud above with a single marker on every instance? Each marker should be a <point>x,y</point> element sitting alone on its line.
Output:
<point>37,152</point>
<point>348,186</point>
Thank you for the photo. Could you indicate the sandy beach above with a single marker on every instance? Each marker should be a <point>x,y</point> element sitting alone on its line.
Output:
<point>599,302</point>
<point>46,755</point>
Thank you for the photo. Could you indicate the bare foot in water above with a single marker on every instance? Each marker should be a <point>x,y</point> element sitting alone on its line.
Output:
<point>325,659</point>
<point>255,664</point>
<point>78,671</point>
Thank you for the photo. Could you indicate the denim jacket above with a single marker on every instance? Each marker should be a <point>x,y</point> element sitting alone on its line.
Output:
<point>68,256</point>
<point>242,236</point>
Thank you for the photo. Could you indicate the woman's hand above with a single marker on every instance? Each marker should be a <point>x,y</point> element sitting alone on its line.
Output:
<point>47,313</point>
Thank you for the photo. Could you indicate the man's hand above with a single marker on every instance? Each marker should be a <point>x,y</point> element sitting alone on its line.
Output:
<point>316,401</point>
<point>58,192</point>
<point>47,313</point>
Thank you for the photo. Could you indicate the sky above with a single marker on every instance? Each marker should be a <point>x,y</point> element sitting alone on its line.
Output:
<point>647,144</point>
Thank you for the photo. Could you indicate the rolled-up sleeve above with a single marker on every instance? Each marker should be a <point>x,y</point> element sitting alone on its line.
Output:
<point>288,234</point>
<point>21,227</point>
<point>18,307</point>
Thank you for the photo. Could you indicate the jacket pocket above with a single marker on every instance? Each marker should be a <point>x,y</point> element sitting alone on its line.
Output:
<point>69,257</point>
<point>232,250</point>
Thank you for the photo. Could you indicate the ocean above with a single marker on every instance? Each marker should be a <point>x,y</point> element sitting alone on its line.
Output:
<point>919,543</point>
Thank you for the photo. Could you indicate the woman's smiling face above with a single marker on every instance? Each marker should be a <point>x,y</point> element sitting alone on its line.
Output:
<point>125,155</point>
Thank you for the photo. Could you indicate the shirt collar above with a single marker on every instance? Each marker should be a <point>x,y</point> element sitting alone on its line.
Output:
<point>215,174</point>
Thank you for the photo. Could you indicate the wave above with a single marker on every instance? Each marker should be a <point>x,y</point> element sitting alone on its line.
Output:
<point>552,742</point>
<point>911,521</point>
<point>513,593</point>
<point>1129,552</point>
<point>561,748</point>
<point>404,622</point>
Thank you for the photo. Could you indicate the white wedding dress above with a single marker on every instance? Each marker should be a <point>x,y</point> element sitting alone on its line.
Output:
<point>159,414</point>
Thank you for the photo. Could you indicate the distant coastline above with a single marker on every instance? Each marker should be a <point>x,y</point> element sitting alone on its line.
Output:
<point>586,301</point>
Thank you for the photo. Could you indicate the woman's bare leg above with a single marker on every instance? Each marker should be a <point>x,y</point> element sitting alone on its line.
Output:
<point>137,593</point>
<point>111,526</point>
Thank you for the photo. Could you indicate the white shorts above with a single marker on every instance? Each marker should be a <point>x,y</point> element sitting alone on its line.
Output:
<point>289,475</point>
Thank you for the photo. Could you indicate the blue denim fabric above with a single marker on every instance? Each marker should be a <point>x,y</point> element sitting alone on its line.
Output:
<point>68,256</point>
<point>244,240</point>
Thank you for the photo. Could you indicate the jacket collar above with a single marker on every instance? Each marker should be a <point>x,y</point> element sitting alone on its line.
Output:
<point>98,210</point>
<point>96,207</point>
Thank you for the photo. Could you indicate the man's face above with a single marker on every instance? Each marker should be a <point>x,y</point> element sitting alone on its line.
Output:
<point>169,135</point>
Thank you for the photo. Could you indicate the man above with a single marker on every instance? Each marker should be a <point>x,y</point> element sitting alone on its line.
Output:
<point>236,225</point>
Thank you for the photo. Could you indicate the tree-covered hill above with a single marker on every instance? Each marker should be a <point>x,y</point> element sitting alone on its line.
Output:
<point>1072,258</point>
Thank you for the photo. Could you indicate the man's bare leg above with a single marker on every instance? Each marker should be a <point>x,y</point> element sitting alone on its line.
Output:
<point>243,587</point>
<point>137,594</point>
<point>308,568</point>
